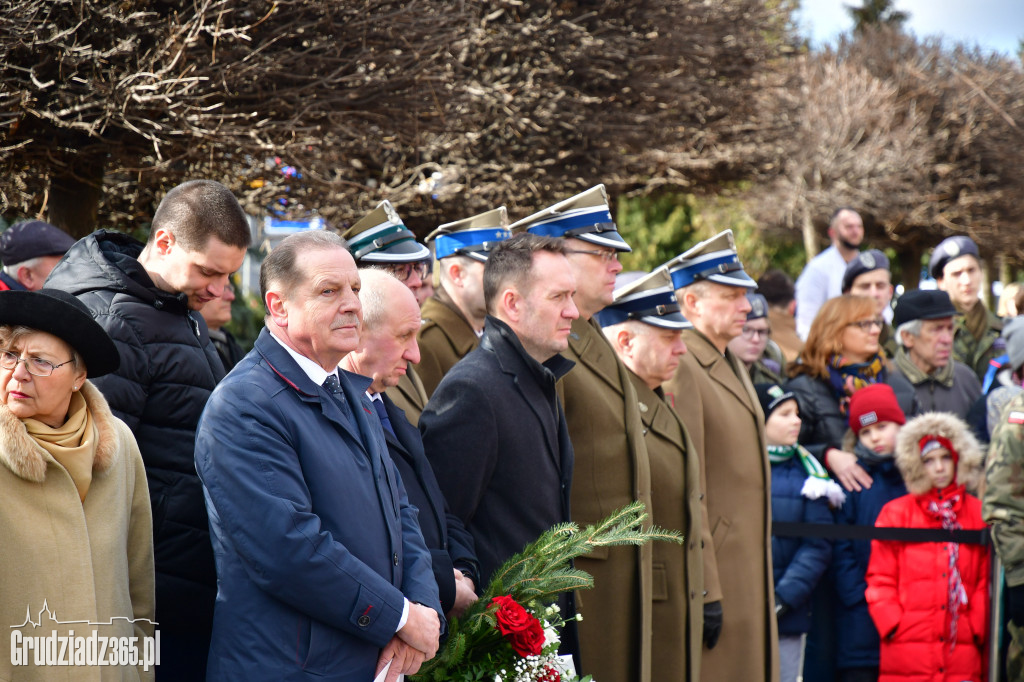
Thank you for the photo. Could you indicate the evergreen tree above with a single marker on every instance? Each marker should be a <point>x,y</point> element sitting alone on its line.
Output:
<point>876,13</point>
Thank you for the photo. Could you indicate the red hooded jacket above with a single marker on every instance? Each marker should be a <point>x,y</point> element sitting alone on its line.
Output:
<point>908,594</point>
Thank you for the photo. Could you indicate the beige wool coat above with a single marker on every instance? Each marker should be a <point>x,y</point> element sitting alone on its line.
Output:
<point>444,338</point>
<point>714,397</point>
<point>88,561</point>
<point>677,570</point>
<point>610,470</point>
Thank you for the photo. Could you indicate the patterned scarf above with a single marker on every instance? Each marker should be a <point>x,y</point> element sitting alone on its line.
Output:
<point>914,374</point>
<point>956,595</point>
<point>846,378</point>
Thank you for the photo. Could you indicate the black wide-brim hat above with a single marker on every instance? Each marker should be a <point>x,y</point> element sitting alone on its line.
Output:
<point>59,313</point>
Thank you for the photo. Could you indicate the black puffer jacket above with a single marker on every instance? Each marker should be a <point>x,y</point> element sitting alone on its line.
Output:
<point>168,369</point>
<point>823,424</point>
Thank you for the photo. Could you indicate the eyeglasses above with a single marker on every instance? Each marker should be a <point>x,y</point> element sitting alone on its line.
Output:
<point>605,256</point>
<point>35,366</point>
<point>403,271</point>
<point>866,325</point>
<point>751,333</point>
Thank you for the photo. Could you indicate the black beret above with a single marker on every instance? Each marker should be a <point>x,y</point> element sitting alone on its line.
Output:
<point>947,250</point>
<point>758,306</point>
<point>866,261</point>
<point>922,304</point>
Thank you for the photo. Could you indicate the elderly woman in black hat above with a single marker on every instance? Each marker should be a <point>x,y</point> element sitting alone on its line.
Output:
<point>75,519</point>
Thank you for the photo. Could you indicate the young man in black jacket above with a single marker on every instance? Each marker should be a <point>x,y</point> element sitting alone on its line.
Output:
<point>147,297</point>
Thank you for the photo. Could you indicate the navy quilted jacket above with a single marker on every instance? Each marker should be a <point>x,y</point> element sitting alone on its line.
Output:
<point>798,563</point>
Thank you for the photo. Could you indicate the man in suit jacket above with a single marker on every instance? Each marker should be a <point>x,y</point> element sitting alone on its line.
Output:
<point>494,429</point>
<point>611,464</point>
<point>322,571</point>
<point>715,399</point>
<point>387,344</point>
<point>645,328</point>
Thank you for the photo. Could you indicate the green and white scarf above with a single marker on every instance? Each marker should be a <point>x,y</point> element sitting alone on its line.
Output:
<point>818,483</point>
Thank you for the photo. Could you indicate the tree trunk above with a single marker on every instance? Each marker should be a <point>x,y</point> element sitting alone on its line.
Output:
<point>74,196</point>
<point>910,266</point>
<point>810,236</point>
<point>986,284</point>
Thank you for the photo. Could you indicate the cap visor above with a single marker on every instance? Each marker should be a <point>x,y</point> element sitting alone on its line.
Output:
<point>670,321</point>
<point>611,240</point>
<point>400,252</point>
<point>736,278</point>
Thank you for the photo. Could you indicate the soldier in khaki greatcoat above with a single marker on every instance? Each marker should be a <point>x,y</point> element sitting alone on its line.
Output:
<point>453,318</point>
<point>645,327</point>
<point>611,467</point>
<point>715,399</point>
<point>381,240</point>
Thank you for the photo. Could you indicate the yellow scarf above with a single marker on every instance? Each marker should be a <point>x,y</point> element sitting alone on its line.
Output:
<point>73,444</point>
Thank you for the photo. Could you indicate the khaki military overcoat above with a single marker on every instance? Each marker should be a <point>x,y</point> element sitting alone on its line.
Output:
<point>610,470</point>
<point>409,395</point>
<point>444,338</point>
<point>714,397</point>
<point>677,570</point>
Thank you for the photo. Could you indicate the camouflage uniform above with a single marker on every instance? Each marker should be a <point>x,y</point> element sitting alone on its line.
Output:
<point>771,368</point>
<point>887,340</point>
<point>976,353</point>
<point>1003,508</point>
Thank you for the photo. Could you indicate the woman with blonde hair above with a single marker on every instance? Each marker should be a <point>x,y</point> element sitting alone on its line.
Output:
<point>841,355</point>
<point>75,521</point>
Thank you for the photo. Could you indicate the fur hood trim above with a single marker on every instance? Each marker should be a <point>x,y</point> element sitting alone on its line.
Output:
<point>908,454</point>
<point>23,456</point>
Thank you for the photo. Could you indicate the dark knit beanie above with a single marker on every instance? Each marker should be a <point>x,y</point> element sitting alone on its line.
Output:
<point>771,396</point>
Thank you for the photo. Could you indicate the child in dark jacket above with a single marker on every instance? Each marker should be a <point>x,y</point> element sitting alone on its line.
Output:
<point>801,493</point>
<point>930,600</point>
<point>875,421</point>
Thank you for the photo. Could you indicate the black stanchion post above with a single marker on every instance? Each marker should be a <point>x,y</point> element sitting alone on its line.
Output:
<point>995,647</point>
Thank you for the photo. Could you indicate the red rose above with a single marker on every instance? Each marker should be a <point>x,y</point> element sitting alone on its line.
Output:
<point>523,631</point>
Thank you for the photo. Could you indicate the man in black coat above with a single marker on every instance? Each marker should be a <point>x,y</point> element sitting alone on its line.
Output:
<point>147,297</point>
<point>494,429</point>
<point>387,344</point>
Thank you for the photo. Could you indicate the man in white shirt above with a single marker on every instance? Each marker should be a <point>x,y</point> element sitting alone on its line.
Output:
<point>822,278</point>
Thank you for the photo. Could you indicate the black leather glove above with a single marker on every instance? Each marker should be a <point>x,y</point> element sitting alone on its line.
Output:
<point>1014,605</point>
<point>781,607</point>
<point>712,623</point>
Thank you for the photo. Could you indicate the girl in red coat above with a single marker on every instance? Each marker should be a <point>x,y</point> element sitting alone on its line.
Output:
<point>930,600</point>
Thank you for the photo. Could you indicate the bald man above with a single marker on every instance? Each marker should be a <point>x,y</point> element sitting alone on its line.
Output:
<point>387,344</point>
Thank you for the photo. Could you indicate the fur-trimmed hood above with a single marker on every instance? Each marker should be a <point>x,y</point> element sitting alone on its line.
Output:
<point>22,455</point>
<point>908,455</point>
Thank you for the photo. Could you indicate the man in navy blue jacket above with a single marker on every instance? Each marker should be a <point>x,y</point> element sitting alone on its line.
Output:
<point>322,570</point>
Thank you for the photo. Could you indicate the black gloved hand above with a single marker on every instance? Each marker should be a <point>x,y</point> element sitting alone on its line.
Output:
<point>712,623</point>
<point>781,607</point>
<point>1014,605</point>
